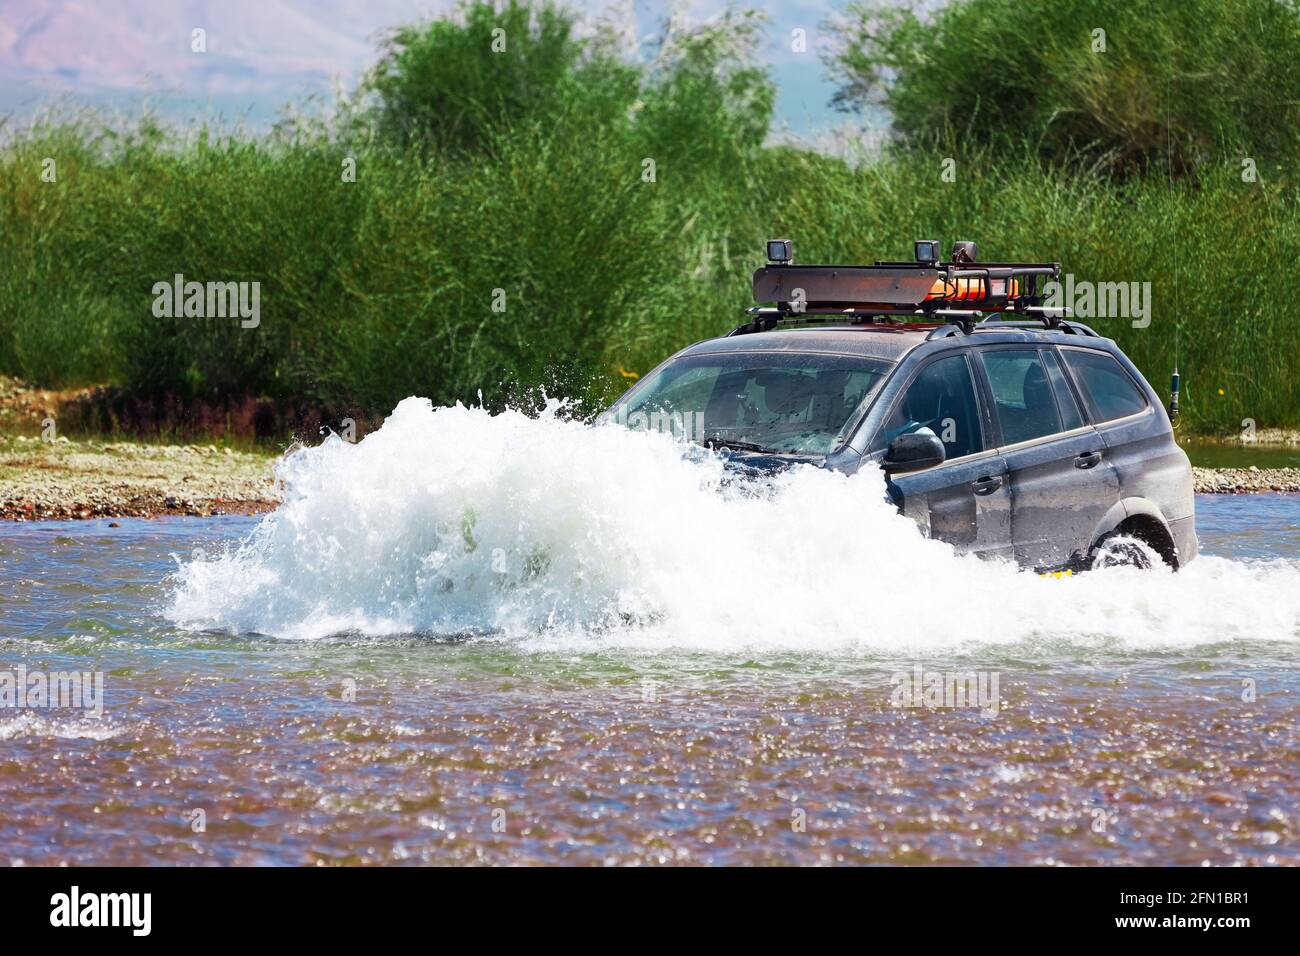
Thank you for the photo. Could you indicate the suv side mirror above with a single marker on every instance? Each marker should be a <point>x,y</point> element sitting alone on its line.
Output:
<point>913,452</point>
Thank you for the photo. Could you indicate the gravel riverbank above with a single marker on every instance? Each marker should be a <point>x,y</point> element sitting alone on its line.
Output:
<point>1238,481</point>
<point>74,479</point>
<point>87,479</point>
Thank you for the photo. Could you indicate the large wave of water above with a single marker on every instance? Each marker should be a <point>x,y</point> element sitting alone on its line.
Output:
<point>557,534</point>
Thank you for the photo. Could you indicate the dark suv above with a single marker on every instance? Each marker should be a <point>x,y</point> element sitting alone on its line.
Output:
<point>1042,444</point>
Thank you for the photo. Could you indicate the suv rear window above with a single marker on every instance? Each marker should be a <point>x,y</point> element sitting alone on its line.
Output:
<point>1107,388</point>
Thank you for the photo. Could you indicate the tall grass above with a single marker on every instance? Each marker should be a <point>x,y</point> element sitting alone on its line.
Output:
<point>390,285</point>
<point>1131,85</point>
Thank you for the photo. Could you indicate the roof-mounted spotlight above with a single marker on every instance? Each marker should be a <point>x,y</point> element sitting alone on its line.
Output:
<point>780,251</point>
<point>927,251</point>
<point>964,252</point>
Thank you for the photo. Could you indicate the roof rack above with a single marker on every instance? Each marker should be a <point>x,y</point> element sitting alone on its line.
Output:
<point>767,319</point>
<point>995,322</point>
<point>961,293</point>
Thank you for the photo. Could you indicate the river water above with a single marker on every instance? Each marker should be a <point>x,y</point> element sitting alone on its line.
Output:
<point>504,640</point>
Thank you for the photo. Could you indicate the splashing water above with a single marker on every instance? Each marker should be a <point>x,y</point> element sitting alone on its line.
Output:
<point>559,535</point>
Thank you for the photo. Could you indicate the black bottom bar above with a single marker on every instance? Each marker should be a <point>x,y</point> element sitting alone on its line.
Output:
<point>334,907</point>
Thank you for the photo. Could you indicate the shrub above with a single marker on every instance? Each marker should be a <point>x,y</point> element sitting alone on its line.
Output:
<point>1177,84</point>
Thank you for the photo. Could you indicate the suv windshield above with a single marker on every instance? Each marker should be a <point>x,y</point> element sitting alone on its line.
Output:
<point>789,403</point>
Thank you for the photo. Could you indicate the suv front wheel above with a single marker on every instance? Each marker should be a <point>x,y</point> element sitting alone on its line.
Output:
<point>1124,551</point>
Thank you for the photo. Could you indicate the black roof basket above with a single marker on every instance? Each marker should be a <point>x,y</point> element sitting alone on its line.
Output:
<point>961,292</point>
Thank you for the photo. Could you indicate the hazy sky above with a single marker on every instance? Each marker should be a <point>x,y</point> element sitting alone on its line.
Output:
<point>264,53</point>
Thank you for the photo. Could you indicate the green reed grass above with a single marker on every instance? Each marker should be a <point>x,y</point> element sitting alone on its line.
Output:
<point>385,287</point>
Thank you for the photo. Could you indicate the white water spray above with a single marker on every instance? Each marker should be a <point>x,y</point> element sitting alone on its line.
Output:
<point>555,534</point>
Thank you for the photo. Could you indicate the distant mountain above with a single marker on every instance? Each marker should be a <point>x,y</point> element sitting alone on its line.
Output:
<point>252,45</point>
<point>262,54</point>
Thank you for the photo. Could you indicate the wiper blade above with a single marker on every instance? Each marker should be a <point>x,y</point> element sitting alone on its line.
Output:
<point>717,443</point>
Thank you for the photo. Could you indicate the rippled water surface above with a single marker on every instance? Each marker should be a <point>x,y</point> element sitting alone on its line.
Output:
<point>1147,719</point>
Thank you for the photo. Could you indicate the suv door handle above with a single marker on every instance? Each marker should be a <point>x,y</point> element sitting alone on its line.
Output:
<point>1087,460</point>
<point>986,485</point>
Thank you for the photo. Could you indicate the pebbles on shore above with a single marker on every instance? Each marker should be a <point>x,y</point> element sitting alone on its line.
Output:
<point>85,479</point>
<point>41,480</point>
<point>1245,480</point>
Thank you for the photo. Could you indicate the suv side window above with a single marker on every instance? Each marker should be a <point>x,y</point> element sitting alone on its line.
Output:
<point>1023,399</point>
<point>1071,416</point>
<point>941,399</point>
<point>1106,387</point>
